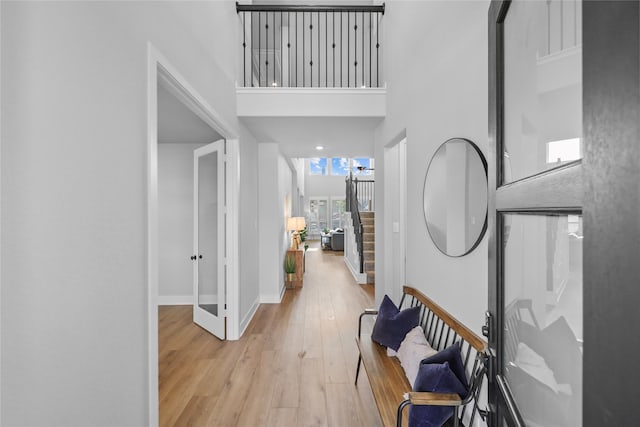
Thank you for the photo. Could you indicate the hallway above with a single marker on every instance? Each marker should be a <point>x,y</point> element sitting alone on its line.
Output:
<point>294,366</point>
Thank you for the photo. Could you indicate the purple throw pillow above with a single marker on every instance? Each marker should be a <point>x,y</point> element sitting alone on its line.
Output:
<point>392,325</point>
<point>434,377</point>
<point>452,355</point>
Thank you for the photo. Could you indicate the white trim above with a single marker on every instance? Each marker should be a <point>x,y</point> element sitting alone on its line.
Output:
<point>273,298</point>
<point>0,227</point>
<point>311,102</point>
<point>402,241</point>
<point>152,234</point>
<point>234,332</point>
<point>175,300</point>
<point>311,90</point>
<point>244,323</point>
<point>160,70</point>
<point>361,278</point>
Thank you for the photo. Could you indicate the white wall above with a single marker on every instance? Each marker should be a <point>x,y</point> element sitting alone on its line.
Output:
<point>437,90</point>
<point>74,304</point>
<point>275,205</point>
<point>248,220</point>
<point>175,222</point>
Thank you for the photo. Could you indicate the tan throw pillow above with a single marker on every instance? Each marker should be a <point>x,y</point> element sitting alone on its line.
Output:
<point>412,350</point>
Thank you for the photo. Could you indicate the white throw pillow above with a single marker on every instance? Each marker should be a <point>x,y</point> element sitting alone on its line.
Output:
<point>391,352</point>
<point>412,350</point>
<point>535,365</point>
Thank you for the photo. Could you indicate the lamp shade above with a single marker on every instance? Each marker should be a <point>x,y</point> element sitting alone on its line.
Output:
<point>296,223</point>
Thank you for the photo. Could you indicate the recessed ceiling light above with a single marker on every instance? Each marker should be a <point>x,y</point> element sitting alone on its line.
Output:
<point>319,147</point>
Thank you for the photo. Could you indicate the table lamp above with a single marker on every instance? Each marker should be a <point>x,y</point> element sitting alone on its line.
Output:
<point>295,224</point>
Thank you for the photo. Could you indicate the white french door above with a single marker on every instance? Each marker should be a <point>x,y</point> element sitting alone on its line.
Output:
<point>209,306</point>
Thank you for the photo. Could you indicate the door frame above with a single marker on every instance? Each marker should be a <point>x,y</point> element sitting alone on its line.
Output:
<point>395,182</point>
<point>160,70</point>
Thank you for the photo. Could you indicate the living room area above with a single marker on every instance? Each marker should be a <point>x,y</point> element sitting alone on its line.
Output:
<point>339,205</point>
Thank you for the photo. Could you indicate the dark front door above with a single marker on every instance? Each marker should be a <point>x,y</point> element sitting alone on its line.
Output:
<point>564,203</point>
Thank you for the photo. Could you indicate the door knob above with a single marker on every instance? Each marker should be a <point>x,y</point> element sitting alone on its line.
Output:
<point>200,257</point>
<point>193,258</point>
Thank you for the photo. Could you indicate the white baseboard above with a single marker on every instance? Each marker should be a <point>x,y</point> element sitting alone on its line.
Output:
<point>360,277</point>
<point>273,298</point>
<point>175,299</point>
<point>247,319</point>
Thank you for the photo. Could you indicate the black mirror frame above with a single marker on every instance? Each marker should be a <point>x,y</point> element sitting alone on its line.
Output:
<point>424,213</point>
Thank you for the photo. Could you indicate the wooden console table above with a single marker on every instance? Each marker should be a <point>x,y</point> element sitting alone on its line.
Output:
<point>298,255</point>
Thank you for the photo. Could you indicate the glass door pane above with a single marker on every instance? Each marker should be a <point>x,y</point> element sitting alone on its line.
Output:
<point>208,233</point>
<point>318,216</point>
<point>209,244</point>
<point>542,346</point>
<point>542,86</point>
<point>337,213</point>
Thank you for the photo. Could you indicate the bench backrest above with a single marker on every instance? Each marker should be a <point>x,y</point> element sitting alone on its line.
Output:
<point>442,330</point>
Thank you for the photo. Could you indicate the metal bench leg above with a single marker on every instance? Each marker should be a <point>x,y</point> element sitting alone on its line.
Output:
<point>455,416</point>
<point>401,407</point>
<point>358,369</point>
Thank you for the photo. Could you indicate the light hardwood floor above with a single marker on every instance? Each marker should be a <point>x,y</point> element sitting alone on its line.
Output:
<point>294,365</point>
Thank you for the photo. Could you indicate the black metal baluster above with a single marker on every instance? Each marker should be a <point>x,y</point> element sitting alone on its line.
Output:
<point>259,49</point>
<point>289,49</point>
<point>377,50</point>
<point>370,67</point>
<point>304,48</point>
<point>326,49</point>
<point>311,49</point>
<point>341,54</point>
<point>281,70</point>
<point>274,47</point>
<point>355,48</point>
<point>266,49</point>
<point>333,28</point>
<point>362,37</point>
<point>244,50</point>
<point>296,48</point>
<point>319,68</point>
<point>348,47</point>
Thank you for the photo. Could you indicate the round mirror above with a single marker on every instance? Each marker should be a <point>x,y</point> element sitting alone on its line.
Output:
<point>455,197</point>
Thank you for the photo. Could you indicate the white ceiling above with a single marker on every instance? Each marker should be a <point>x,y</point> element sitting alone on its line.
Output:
<point>178,124</point>
<point>298,136</point>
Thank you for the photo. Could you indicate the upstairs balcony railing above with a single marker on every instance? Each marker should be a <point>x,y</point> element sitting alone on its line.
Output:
<point>310,46</point>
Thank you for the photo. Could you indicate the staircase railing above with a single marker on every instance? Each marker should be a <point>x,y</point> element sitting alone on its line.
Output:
<point>358,227</point>
<point>310,46</point>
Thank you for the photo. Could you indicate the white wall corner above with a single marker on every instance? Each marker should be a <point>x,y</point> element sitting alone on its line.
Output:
<point>273,298</point>
<point>244,323</point>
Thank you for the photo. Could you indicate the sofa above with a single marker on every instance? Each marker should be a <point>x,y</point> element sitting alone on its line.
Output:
<point>337,239</point>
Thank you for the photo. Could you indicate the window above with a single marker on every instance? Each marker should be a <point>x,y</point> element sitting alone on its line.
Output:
<point>338,207</point>
<point>362,166</point>
<point>340,166</point>
<point>318,166</point>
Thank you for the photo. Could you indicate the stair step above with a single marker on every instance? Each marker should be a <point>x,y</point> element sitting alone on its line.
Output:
<point>369,237</point>
<point>369,265</point>
<point>367,214</point>
<point>371,277</point>
<point>367,221</point>
<point>369,255</point>
<point>369,246</point>
<point>368,228</point>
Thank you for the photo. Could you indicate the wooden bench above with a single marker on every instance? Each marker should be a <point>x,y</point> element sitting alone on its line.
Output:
<point>389,384</point>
